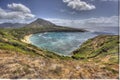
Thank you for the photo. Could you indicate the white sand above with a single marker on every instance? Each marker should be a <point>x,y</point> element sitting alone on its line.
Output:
<point>26,39</point>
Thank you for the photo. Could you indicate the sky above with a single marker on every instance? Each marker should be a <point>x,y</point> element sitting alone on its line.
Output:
<point>74,13</point>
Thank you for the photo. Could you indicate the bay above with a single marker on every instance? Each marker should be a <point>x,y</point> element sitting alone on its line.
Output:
<point>62,43</point>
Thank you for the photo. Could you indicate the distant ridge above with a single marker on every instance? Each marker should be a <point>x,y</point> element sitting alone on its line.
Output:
<point>12,25</point>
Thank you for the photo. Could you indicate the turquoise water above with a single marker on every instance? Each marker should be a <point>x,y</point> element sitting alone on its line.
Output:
<point>62,43</point>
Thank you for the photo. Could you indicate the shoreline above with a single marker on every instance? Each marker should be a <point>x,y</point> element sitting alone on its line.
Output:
<point>26,39</point>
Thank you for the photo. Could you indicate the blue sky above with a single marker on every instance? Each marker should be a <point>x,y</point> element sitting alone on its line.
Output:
<point>60,11</point>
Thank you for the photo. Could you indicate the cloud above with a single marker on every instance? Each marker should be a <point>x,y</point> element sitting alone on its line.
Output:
<point>102,21</point>
<point>91,22</point>
<point>79,5</point>
<point>16,12</point>
<point>19,7</point>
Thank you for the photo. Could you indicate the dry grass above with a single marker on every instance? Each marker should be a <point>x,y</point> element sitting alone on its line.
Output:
<point>18,65</point>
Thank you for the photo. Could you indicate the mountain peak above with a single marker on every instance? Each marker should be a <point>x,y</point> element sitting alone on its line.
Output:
<point>43,22</point>
<point>39,19</point>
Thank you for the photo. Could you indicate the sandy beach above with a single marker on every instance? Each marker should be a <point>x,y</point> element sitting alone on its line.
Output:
<point>26,39</point>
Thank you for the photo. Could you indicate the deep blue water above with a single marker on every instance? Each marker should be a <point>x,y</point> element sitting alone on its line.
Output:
<point>60,42</point>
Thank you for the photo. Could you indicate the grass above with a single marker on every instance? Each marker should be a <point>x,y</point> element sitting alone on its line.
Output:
<point>99,45</point>
<point>112,70</point>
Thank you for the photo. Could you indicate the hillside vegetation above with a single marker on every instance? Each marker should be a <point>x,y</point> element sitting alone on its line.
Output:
<point>102,45</point>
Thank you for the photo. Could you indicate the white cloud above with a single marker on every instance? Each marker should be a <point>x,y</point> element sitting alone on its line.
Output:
<point>91,22</point>
<point>16,12</point>
<point>103,21</point>
<point>79,5</point>
<point>19,7</point>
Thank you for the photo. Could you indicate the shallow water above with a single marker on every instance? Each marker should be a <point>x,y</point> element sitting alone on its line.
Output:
<point>62,43</point>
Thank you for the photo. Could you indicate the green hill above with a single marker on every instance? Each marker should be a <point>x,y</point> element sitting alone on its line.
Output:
<point>102,45</point>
